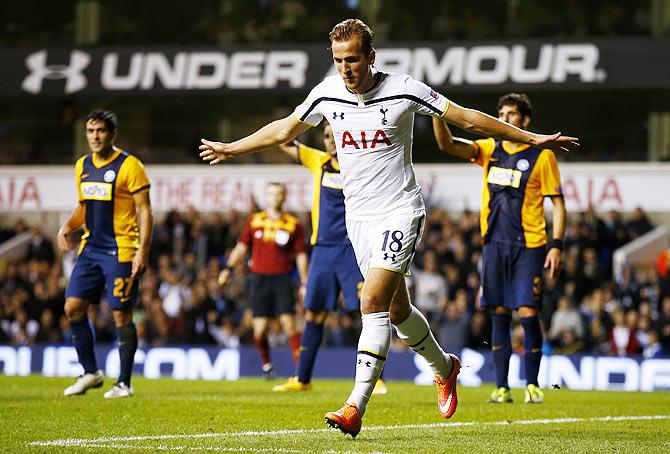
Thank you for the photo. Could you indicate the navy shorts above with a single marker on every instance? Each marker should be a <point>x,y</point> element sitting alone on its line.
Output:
<point>333,268</point>
<point>271,294</point>
<point>98,270</point>
<point>512,276</point>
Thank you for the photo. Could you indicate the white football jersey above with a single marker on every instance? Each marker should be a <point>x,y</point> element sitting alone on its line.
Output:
<point>373,134</point>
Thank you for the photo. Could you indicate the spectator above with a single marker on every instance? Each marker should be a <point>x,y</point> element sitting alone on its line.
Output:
<point>453,327</point>
<point>653,349</point>
<point>217,236</point>
<point>223,332</point>
<point>196,316</point>
<point>40,248</point>
<point>639,224</point>
<point>622,338</point>
<point>663,325</point>
<point>642,330</point>
<point>49,331</point>
<point>590,275</point>
<point>569,343</point>
<point>600,341</point>
<point>174,294</point>
<point>627,289</point>
<point>430,288</point>
<point>23,330</point>
<point>565,317</point>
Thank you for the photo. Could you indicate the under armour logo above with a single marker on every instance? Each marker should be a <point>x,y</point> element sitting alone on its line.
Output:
<point>335,115</point>
<point>387,255</point>
<point>383,111</point>
<point>72,72</point>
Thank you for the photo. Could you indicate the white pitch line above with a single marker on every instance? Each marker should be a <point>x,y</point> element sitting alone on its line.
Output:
<point>81,442</point>
<point>181,448</point>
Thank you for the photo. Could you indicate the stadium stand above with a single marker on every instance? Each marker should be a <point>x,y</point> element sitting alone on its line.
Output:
<point>584,310</point>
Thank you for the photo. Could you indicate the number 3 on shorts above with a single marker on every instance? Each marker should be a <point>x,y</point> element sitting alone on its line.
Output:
<point>122,287</point>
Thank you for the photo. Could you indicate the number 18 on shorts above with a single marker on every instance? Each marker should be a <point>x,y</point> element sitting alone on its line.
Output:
<point>387,243</point>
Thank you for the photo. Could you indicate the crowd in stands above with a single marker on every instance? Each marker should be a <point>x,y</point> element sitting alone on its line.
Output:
<point>585,310</point>
<point>298,21</point>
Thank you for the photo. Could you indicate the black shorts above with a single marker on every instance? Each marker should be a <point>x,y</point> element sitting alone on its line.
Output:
<point>271,294</point>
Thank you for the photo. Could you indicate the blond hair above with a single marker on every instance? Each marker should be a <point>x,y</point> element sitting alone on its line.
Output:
<point>349,28</point>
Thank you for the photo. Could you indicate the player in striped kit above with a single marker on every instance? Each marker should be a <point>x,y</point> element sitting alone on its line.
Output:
<point>372,116</point>
<point>517,178</point>
<point>115,210</point>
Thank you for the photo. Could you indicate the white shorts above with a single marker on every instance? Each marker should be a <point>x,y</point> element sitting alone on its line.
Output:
<point>386,243</point>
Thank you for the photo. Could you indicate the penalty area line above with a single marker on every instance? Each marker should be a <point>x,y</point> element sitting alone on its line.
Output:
<point>105,441</point>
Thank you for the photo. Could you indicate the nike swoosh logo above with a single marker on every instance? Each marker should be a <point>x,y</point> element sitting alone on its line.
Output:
<point>84,175</point>
<point>123,300</point>
<point>445,407</point>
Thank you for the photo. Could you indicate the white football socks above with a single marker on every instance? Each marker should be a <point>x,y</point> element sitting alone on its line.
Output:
<point>416,333</point>
<point>373,347</point>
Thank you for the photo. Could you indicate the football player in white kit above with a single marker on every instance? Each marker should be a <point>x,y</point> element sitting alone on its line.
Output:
<point>372,116</point>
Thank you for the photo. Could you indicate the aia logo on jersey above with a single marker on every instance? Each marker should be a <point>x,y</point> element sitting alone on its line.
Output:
<point>365,143</point>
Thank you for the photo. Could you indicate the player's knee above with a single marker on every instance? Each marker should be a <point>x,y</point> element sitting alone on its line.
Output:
<point>527,311</point>
<point>374,302</point>
<point>500,310</point>
<point>318,317</point>
<point>75,309</point>
<point>122,318</point>
<point>400,313</point>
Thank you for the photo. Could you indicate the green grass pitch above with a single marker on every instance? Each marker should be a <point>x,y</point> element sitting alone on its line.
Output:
<point>245,416</point>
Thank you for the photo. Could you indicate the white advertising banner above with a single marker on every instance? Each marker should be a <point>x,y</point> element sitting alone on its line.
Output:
<point>577,372</point>
<point>606,186</point>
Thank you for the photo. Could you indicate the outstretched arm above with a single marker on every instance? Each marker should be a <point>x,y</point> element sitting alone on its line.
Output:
<point>462,148</point>
<point>479,123</point>
<point>273,134</point>
<point>291,149</point>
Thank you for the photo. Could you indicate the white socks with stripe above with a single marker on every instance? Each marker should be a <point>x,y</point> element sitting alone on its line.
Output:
<point>416,333</point>
<point>373,346</point>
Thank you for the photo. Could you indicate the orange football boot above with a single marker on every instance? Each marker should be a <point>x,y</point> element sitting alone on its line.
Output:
<point>347,419</point>
<point>447,399</point>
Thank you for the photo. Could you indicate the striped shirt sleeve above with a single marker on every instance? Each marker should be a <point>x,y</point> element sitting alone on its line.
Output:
<point>424,100</point>
<point>309,111</point>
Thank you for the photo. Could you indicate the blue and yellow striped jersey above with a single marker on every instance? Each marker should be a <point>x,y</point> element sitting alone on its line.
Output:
<point>106,188</point>
<point>514,186</point>
<point>328,226</point>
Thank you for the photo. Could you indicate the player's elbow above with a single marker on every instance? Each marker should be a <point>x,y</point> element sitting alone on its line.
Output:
<point>468,125</point>
<point>283,135</point>
<point>445,146</point>
<point>284,130</point>
<point>468,120</point>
